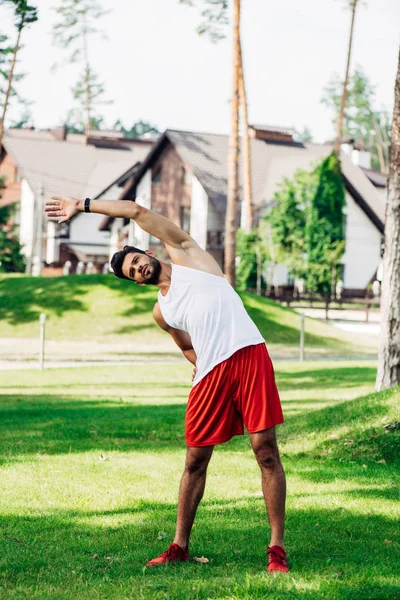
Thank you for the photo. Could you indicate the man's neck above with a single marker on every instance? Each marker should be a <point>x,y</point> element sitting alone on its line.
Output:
<point>165,278</point>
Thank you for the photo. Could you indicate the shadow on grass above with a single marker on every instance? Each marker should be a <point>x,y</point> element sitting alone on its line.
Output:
<point>325,378</point>
<point>58,425</point>
<point>22,299</point>
<point>364,437</point>
<point>72,551</point>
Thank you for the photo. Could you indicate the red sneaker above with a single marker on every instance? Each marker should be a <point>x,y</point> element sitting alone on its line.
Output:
<point>277,560</point>
<point>173,554</point>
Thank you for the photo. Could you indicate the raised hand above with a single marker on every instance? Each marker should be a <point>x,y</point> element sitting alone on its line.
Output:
<point>62,208</point>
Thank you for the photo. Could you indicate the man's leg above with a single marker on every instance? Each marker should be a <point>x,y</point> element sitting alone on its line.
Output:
<point>273,481</point>
<point>191,491</point>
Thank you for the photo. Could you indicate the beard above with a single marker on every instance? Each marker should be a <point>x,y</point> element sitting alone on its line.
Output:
<point>155,276</point>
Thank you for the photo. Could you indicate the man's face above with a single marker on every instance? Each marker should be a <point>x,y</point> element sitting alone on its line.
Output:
<point>141,268</point>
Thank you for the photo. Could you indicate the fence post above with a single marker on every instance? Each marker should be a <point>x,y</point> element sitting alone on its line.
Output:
<point>302,338</point>
<point>367,307</point>
<point>42,336</point>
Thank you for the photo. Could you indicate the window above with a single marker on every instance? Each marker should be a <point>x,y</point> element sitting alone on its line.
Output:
<point>62,230</point>
<point>156,176</point>
<point>215,239</point>
<point>185,218</point>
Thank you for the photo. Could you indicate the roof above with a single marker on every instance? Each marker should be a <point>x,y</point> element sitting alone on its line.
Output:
<point>68,168</point>
<point>376,177</point>
<point>271,128</point>
<point>207,156</point>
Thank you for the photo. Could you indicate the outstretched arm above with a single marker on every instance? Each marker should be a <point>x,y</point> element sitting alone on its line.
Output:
<point>165,230</point>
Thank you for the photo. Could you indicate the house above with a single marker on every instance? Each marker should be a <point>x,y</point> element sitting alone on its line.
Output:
<point>39,164</point>
<point>184,177</point>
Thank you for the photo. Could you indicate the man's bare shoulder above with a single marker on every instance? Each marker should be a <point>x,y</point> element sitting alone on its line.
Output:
<point>191,255</point>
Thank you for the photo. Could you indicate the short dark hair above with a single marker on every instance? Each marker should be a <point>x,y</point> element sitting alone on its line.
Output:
<point>118,259</point>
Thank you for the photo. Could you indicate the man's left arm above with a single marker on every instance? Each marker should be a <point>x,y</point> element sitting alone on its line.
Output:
<point>151,222</point>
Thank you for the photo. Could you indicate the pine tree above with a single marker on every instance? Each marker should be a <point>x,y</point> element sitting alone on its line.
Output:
<point>24,15</point>
<point>76,24</point>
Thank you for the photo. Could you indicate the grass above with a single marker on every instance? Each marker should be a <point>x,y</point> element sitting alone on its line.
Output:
<point>90,466</point>
<point>103,309</point>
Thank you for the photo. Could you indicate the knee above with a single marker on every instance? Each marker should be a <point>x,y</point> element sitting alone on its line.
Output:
<point>196,465</point>
<point>268,457</point>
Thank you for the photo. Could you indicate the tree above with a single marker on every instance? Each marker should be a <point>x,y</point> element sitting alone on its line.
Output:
<point>324,231</point>
<point>353,6</point>
<point>232,199</point>
<point>23,121</point>
<point>361,121</point>
<point>246,151</point>
<point>24,15</point>
<point>138,129</point>
<point>288,220</point>
<point>389,352</point>
<point>303,135</point>
<point>11,257</point>
<point>75,121</point>
<point>72,31</point>
<point>214,14</point>
<point>253,252</point>
<point>307,225</point>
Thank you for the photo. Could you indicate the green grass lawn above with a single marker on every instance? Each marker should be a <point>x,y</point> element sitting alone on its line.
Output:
<point>90,466</point>
<point>105,309</point>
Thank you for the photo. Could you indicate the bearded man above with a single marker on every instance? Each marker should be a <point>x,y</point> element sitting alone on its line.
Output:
<point>233,383</point>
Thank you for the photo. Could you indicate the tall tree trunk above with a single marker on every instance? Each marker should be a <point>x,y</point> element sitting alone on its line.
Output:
<point>247,212</point>
<point>346,81</point>
<point>389,351</point>
<point>10,80</point>
<point>233,162</point>
<point>380,146</point>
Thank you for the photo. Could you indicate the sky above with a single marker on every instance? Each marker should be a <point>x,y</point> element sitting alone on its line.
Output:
<point>156,67</point>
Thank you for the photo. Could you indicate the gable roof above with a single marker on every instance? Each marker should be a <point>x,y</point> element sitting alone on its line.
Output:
<point>206,155</point>
<point>66,168</point>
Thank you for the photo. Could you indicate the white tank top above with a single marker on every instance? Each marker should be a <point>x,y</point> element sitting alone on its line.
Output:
<point>211,312</point>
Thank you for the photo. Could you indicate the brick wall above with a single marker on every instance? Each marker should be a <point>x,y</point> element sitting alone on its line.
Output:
<point>170,193</point>
<point>12,192</point>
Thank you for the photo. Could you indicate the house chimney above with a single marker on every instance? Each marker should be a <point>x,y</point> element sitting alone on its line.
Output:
<point>360,155</point>
<point>59,133</point>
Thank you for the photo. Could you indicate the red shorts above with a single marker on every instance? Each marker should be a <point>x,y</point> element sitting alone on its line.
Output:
<point>240,389</point>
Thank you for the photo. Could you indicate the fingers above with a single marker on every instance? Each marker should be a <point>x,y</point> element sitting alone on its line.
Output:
<point>52,206</point>
<point>54,211</point>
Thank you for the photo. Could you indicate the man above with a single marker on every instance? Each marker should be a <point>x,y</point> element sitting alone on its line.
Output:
<point>233,380</point>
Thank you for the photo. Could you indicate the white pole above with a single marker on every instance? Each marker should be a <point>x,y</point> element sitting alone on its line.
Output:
<point>42,335</point>
<point>302,338</point>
